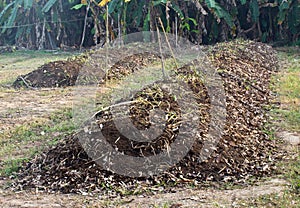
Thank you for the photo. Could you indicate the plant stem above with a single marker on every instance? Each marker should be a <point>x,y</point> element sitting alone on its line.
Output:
<point>161,54</point>
<point>84,27</point>
<point>173,56</point>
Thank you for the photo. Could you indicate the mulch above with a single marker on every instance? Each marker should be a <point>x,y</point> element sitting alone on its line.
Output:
<point>244,151</point>
<point>52,74</point>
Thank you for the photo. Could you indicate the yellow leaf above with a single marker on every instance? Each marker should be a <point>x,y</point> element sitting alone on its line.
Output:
<point>103,3</point>
<point>84,2</point>
<point>127,0</point>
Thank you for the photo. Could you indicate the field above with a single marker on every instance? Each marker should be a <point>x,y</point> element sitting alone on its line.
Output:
<point>36,119</point>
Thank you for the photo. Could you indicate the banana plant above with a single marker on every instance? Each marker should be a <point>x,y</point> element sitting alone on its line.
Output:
<point>42,25</point>
<point>51,23</point>
<point>219,12</point>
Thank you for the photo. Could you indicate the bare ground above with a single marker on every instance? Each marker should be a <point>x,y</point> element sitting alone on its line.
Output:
<point>20,106</point>
<point>181,198</point>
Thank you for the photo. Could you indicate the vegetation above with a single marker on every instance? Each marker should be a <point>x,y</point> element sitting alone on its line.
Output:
<point>18,145</point>
<point>289,115</point>
<point>55,23</point>
<point>287,84</point>
<point>288,198</point>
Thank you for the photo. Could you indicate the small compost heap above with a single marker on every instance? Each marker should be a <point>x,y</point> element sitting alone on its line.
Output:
<point>245,149</point>
<point>52,74</point>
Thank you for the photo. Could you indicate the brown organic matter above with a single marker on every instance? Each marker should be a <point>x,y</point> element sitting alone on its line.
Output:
<point>245,149</point>
<point>53,74</point>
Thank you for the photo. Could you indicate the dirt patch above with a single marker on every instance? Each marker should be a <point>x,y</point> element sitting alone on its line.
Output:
<point>290,138</point>
<point>291,143</point>
<point>188,197</point>
<point>28,105</point>
<point>209,197</point>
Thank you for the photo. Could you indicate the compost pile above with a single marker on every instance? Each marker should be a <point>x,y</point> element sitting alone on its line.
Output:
<point>65,73</point>
<point>52,74</point>
<point>244,150</point>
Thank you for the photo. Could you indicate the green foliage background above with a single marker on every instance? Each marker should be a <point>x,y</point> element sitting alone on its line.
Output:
<point>39,24</point>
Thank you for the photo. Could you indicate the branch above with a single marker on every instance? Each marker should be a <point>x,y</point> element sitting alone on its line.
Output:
<point>27,85</point>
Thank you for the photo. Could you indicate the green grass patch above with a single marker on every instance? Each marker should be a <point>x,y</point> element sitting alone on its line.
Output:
<point>12,166</point>
<point>292,173</point>
<point>284,200</point>
<point>291,119</point>
<point>287,85</point>
<point>25,54</point>
<point>31,138</point>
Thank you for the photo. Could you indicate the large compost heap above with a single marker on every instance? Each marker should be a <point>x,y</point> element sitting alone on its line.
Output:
<point>245,149</point>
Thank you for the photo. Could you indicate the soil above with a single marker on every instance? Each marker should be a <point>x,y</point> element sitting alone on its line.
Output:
<point>187,197</point>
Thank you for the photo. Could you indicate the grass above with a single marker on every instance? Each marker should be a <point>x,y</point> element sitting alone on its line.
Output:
<point>293,175</point>
<point>287,85</point>
<point>12,166</point>
<point>288,198</point>
<point>291,118</point>
<point>284,200</point>
<point>27,140</point>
